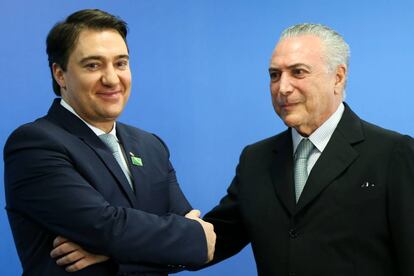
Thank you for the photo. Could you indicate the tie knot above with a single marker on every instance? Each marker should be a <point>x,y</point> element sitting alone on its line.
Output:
<point>110,140</point>
<point>304,149</point>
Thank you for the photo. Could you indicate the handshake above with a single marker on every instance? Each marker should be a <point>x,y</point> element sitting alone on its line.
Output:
<point>74,258</point>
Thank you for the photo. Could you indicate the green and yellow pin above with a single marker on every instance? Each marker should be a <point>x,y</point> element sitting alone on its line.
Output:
<point>136,160</point>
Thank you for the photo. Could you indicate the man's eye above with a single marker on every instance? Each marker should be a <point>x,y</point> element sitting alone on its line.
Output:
<point>274,75</point>
<point>298,72</point>
<point>92,66</point>
<point>123,64</point>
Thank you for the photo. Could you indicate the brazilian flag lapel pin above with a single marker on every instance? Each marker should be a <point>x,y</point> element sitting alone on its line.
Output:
<point>136,161</point>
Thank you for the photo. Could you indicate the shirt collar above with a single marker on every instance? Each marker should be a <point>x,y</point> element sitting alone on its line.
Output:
<point>95,130</point>
<point>321,136</point>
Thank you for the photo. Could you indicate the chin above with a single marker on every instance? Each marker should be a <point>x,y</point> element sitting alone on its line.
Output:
<point>290,120</point>
<point>112,114</point>
<point>114,109</point>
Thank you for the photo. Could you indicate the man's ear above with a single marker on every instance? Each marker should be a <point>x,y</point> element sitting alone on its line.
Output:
<point>341,73</point>
<point>58,74</point>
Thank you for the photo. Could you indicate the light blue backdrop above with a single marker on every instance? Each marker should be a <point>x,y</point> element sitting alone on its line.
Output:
<point>200,79</point>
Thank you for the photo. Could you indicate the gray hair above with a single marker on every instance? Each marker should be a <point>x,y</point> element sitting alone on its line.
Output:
<point>336,49</point>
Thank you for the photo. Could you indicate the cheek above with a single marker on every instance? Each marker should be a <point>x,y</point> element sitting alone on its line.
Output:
<point>88,84</point>
<point>76,89</point>
<point>274,96</point>
<point>276,107</point>
<point>274,88</point>
<point>311,95</point>
<point>126,97</point>
<point>323,95</point>
<point>125,77</point>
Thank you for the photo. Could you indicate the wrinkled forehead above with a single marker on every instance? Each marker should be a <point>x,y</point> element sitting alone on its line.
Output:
<point>298,49</point>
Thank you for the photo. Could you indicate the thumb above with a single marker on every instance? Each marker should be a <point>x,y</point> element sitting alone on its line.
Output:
<point>193,214</point>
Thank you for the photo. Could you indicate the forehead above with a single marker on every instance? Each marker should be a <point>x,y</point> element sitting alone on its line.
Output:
<point>104,43</point>
<point>305,49</point>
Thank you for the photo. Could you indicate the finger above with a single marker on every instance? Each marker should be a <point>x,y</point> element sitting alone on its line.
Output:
<point>85,262</point>
<point>59,240</point>
<point>71,257</point>
<point>193,214</point>
<point>81,264</point>
<point>63,249</point>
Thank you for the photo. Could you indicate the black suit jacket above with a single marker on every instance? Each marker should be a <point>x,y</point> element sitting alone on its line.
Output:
<point>60,179</point>
<point>355,216</point>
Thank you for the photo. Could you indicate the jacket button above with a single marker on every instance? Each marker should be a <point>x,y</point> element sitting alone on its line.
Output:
<point>293,233</point>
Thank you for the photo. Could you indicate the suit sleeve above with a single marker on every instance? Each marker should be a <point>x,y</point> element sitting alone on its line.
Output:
<point>178,202</point>
<point>43,184</point>
<point>228,223</point>
<point>401,204</point>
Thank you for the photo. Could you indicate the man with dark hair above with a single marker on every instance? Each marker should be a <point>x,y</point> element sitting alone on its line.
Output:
<point>77,173</point>
<point>63,36</point>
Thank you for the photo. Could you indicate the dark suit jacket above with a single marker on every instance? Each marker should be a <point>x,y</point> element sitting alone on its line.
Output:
<point>355,216</point>
<point>60,179</point>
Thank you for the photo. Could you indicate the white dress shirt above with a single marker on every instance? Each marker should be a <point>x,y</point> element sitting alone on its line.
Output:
<point>98,132</point>
<point>320,137</point>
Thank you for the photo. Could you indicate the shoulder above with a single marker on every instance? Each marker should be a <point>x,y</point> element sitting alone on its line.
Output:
<point>367,135</point>
<point>134,131</point>
<point>271,142</point>
<point>382,136</point>
<point>264,147</point>
<point>143,137</point>
<point>376,144</point>
<point>39,133</point>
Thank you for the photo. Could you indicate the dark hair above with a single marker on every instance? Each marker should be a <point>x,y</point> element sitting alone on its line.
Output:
<point>62,38</point>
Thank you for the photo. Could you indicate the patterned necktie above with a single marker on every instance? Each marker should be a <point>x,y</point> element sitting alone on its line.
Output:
<point>302,154</point>
<point>112,143</point>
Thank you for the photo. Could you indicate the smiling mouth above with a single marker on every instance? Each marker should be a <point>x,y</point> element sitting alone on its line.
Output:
<point>288,105</point>
<point>114,95</point>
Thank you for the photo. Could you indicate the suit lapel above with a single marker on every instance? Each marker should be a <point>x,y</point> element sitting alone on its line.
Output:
<point>281,170</point>
<point>74,125</point>
<point>133,147</point>
<point>110,162</point>
<point>338,155</point>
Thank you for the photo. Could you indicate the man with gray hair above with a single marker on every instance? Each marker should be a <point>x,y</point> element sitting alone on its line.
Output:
<point>332,194</point>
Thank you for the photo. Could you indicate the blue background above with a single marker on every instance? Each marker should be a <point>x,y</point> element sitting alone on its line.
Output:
<point>200,79</point>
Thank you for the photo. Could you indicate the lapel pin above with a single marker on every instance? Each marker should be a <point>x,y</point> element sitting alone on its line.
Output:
<point>136,160</point>
<point>367,184</point>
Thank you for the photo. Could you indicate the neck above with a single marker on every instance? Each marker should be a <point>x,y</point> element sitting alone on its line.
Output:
<point>104,126</point>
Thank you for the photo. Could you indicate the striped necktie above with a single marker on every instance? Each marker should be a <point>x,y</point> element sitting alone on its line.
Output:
<point>112,143</point>
<point>302,154</point>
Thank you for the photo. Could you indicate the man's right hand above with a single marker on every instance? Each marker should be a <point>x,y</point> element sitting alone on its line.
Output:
<point>72,256</point>
<point>208,231</point>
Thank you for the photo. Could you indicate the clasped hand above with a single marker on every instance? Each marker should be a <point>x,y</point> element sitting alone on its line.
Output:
<point>74,258</point>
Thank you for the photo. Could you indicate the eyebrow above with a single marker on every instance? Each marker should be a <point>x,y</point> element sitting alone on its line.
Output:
<point>296,65</point>
<point>300,65</point>
<point>85,59</point>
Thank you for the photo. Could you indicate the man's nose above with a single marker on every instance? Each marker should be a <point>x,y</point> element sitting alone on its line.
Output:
<point>285,85</point>
<point>110,76</point>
